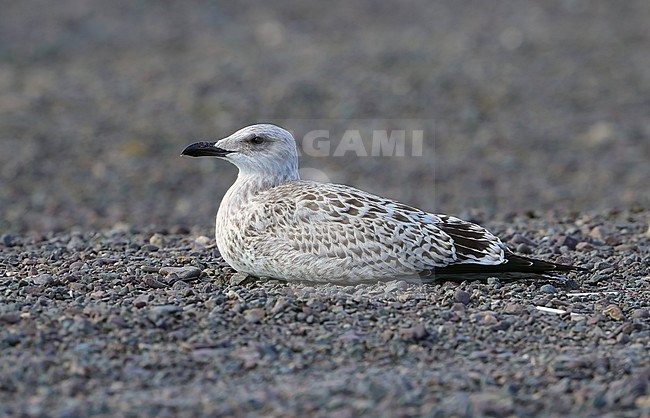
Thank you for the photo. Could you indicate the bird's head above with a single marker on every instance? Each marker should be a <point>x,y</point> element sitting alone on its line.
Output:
<point>262,149</point>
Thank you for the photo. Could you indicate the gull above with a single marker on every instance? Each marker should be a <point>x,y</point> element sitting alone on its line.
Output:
<point>272,224</point>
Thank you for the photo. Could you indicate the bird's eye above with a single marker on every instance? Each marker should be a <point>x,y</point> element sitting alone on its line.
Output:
<point>257,140</point>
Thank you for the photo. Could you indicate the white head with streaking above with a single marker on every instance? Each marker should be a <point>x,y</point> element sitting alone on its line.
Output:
<point>263,150</point>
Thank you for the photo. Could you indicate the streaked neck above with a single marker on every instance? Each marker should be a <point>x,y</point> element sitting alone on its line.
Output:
<point>249,184</point>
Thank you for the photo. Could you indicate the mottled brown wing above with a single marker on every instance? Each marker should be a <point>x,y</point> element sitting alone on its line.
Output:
<point>474,244</point>
<point>334,222</point>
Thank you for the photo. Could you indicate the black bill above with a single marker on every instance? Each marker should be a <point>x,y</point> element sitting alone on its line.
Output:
<point>204,149</point>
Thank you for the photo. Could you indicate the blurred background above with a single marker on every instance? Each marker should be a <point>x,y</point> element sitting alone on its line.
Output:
<point>537,105</point>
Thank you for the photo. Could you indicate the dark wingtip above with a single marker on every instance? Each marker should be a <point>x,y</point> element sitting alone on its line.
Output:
<point>514,264</point>
<point>540,266</point>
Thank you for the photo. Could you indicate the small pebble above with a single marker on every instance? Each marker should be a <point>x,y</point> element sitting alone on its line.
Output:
<point>254,315</point>
<point>182,273</point>
<point>390,287</point>
<point>43,280</point>
<point>625,247</point>
<point>548,288</point>
<point>458,308</point>
<point>598,233</point>
<point>643,402</point>
<point>10,317</point>
<point>462,296</point>
<point>149,248</point>
<point>402,285</point>
<point>141,301</point>
<point>602,265</point>
<point>520,239</point>
<point>279,306</point>
<point>416,332</point>
<point>567,241</point>
<point>7,240</point>
<point>487,318</point>
<point>157,239</point>
<point>77,265</point>
<point>524,249</point>
<point>12,339</point>
<point>613,311</point>
<point>152,282</point>
<point>572,284</point>
<point>164,310</point>
<point>241,279</point>
<point>211,303</point>
<point>203,241</point>
<point>584,246</point>
<point>513,308</point>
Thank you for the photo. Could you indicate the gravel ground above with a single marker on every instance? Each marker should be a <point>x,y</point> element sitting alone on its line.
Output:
<point>133,322</point>
<point>114,302</point>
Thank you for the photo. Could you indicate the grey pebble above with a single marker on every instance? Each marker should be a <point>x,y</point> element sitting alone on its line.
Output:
<point>76,244</point>
<point>279,305</point>
<point>77,265</point>
<point>462,296</point>
<point>211,303</point>
<point>520,239</point>
<point>602,265</point>
<point>183,287</point>
<point>572,284</point>
<point>459,308</point>
<point>254,315</point>
<point>164,310</point>
<point>513,308</point>
<point>567,241</point>
<point>415,332</point>
<point>171,279</point>
<point>594,280</point>
<point>141,301</point>
<point>157,239</point>
<point>599,233</point>
<point>548,288</point>
<point>12,339</point>
<point>183,273</point>
<point>391,287</point>
<point>584,246</point>
<point>241,279</point>
<point>10,317</point>
<point>149,248</point>
<point>43,279</point>
<point>151,281</point>
<point>402,285</point>
<point>7,240</point>
<point>524,249</point>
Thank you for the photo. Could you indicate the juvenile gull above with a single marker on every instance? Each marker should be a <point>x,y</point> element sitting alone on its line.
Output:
<point>272,224</point>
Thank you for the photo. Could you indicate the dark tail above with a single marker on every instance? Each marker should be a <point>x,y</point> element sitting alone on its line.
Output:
<point>514,264</point>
